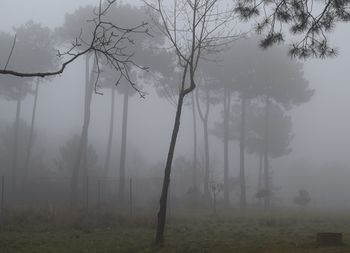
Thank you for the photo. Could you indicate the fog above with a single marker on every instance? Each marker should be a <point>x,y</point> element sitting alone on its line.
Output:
<point>319,161</point>
<point>174,126</point>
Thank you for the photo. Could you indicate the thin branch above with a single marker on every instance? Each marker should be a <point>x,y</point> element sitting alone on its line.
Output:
<point>13,46</point>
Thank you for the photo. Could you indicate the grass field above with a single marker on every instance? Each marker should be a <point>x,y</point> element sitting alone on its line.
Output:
<point>39,232</point>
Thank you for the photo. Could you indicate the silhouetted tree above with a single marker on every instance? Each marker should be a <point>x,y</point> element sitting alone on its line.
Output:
<point>41,46</point>
<point>273,78</point>
<point>236,76</point>
<point>260,75</point>
<point>16,89</point>
<point>192,28</point>
<point>281,81</point>
<point>72,28</point>
<point>208,99</point>
<point>38,166</point>
<point>280,126</point>
<point>126,91</point>
<point>147,55</point>
<point>73,25</point>
<point>104,39</point>
<point>109,82</point>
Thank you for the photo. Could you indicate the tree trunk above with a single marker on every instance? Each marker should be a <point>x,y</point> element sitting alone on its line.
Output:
<point>80,162</point>
<point>30,143</point>
<point>15,142</point>
<point>194,165</point>
<point>207,161</point>
<point>227,100</point>
<point>260,180</point>
<point>204,118</point>
<point>243,199</point>
<point>166,181</point>
<point>267,189</point>
<point>123,148</point>
<point>109,142</point>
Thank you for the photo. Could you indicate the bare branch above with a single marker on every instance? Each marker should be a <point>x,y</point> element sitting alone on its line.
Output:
<point>13,46</point>
<point>109,42</point>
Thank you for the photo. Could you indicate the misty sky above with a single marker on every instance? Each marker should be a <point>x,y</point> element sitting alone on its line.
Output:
<point>321,126</point>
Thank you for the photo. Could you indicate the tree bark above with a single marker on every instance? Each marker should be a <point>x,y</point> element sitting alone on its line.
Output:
<point>109,141</point>
<point>123,148</point>
<point>260,180</point>
<point>207,160</point>
<point>227,100</point>
<point>80,162</point>
<point>194,165</point>
<point>15,142</point>
<point>161,216</point>
<point>204,118</point>
<point>30,142</point>
<point>164,194</point>
<point>243,199</point>
<point>267,197</point>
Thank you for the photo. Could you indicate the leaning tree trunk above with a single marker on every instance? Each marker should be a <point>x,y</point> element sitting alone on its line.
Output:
<point>267,197</point>
<point>194,165</point>
<point>30,143</point>
<point>243,199</point>
<point>166,181</point>
<point>227,100</point>
<point>15,142</point>
<point>123,148</point>
<point>109,142</point>
<point>81,152</point>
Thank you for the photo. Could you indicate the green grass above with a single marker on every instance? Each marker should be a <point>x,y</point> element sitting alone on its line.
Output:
<point>37,232</point>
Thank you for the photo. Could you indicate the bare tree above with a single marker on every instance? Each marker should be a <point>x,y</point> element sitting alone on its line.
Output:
<point>193,28</point>
<point>108,42</point>
<point>105,42</point>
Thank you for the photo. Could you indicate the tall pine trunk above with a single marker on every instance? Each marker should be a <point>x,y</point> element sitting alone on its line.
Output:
<point>123,148</point>
<point>227,100</point>
<point>260,174</point>
<point>15,143</point>
<point>204,118</point>
<point>243,200</point>
<point>30,142</point>
<point>207,160</point>
<point>80,161</point>
<point>267,198</point>
<point>109,141</point>
<point>194,164</point>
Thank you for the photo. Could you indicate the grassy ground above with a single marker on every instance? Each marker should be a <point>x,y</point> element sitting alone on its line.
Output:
<point>38,232</point>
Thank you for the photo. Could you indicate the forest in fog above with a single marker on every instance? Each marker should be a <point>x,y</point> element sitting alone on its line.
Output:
<point>174,107</point>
